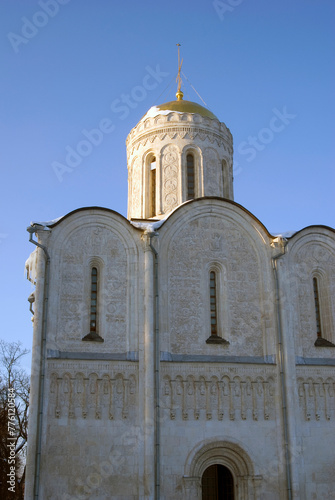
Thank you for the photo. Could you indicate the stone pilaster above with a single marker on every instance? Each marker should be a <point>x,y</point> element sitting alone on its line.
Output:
<point>35,381</point>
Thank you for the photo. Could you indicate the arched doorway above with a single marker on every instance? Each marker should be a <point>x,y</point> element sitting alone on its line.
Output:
<point>217,483</point>
<point>232,458</point>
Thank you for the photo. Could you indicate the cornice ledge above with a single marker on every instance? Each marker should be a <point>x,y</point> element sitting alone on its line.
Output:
<point>202,134</point>
<point>179,119</point>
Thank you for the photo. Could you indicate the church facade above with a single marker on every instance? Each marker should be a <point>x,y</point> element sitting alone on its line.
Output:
<point>184,352</point>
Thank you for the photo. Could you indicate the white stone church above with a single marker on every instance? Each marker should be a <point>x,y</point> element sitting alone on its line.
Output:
<point>184,352</point>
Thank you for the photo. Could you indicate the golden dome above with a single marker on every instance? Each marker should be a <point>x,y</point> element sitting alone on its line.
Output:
<point>182,106</point>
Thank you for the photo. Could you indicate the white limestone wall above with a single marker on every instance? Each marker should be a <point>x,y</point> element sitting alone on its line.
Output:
<point>315,427</point>
<point>107,241</point>
<point>219,399</point>
<point>311,253</point>
<point>35,378</point>
<point>266,481</point>
<point>317,471</point>
<point>94,435</point>
<point>91,445</point>
<point>221,402</point>
<point>309,369</point>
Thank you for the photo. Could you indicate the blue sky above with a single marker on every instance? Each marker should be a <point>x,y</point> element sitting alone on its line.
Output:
<point>266,69</point>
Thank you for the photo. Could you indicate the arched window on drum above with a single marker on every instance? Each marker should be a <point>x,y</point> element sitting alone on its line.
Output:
<point>190,177</point>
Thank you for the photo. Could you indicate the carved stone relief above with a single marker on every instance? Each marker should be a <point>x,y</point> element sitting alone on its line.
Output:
<point>170,178</point>
<point>182,132</point>
<point>136,184</point>
<point>213,173</point>
<point>223,397</point>
<point>316,398</point>
<point>74,302</point>
<point>93,395</point>
<point>193,249</point>
<point>314,258</point>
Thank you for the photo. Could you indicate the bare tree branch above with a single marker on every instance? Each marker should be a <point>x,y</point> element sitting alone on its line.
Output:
<point>12,376</point>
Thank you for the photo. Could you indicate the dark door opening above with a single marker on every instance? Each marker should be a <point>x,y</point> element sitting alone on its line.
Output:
<point>217,483</point>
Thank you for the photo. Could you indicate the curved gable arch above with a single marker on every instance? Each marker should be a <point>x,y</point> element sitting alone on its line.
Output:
<point>311,264</point>
<point>94,238</point>
<point>197,235</point>
<point>216,206</point>
<point>88,217</point>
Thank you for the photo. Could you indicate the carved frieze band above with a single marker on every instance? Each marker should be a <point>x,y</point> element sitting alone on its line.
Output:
<point>93,396</point>
<point>178,120</point>
<point>317,398</point>
<point>218,398</point>
<point>182,133</point>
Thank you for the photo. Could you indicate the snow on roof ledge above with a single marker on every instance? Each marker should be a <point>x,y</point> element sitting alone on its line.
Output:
<point>148,227</point>
<point>285,234</point>
<point>46,224</point>
<point>155,110</point>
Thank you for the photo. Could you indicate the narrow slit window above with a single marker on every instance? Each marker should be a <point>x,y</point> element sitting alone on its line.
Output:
<point>317,307</point>
<point>94,300</point>
<point>93,335</point>
<point>213,308</point>
<point>152,183</point>
<point>190,176</point>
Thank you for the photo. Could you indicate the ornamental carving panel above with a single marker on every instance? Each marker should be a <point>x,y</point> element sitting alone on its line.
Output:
<point>213,173</point>
<point>170,178</point>
<point>192,250</point>
<point>85,244</point>
<point>312,258</point>
<point>136,185</point>
<point>316,398</point>
<point>224,396</point>
<point>105,396</point>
